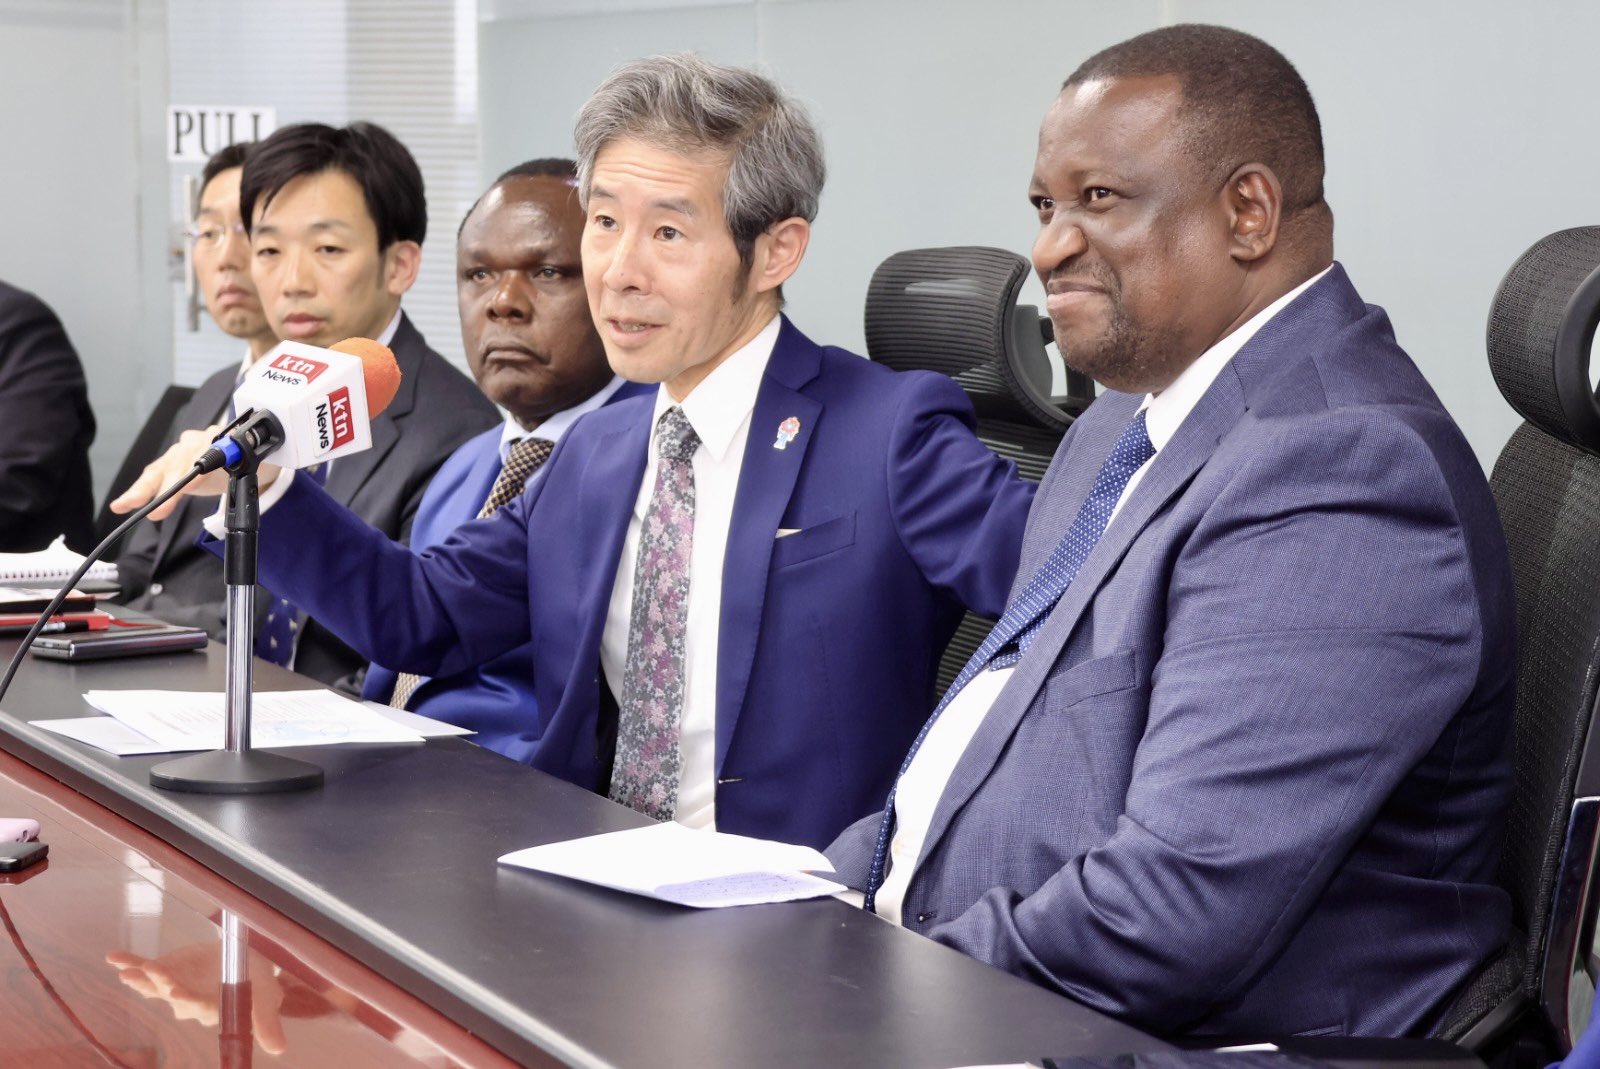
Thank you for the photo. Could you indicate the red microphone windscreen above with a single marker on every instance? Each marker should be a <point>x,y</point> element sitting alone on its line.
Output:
<point>378,368</point>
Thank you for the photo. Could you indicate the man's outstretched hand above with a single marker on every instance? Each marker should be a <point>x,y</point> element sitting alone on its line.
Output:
<point>173,465</point>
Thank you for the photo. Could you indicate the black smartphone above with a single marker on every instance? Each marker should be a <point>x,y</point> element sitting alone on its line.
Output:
<point>14,857</point>
<point>118,642</point>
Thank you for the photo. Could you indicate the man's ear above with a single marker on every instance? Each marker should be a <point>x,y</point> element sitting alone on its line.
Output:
<point>1254,201</point>
<point>401,261</point>
<point>779,250</point>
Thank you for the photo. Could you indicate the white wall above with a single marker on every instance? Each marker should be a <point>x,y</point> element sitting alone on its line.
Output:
<point>1457,130</point>
<point>77,222</point>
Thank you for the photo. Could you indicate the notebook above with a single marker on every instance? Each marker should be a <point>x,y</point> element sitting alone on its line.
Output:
<point>50,567</point>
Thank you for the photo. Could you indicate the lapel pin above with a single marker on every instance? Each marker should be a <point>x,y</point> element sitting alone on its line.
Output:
<point>786,433</point>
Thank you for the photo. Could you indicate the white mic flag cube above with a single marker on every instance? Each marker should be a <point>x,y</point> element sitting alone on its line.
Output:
<point>320,397</point>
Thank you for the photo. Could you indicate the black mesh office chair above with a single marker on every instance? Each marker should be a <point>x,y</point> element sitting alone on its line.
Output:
<point>955,311</point>
<point>1538,994</point>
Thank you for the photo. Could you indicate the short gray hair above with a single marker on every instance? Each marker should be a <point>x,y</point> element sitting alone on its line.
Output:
<point>686,104</point>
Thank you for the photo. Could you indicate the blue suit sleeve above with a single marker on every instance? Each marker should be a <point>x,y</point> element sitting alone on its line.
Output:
<point>433,613</point>
<point>959,509</point>
<point>1323,629</point>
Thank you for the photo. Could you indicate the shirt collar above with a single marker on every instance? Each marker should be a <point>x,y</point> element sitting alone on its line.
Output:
<point>387,337</point>
<point>1165,412</point>
<point>555,426</point>
<point>719,406</point>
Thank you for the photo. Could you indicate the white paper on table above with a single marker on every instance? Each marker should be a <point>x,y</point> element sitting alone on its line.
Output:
<point>426,726</point>
<point>106,732</point>
<point>189,720</point>
<point>673,863</point>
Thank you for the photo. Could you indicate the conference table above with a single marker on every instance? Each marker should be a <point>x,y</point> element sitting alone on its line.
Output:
<point>379,930</point>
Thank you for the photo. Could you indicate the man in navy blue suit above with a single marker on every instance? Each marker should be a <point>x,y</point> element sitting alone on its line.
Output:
<point>534,351</point>
<point>736,589</point>
<point>1235,759</point>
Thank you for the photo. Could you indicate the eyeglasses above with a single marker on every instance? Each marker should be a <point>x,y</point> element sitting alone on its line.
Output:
<point>213,235</point>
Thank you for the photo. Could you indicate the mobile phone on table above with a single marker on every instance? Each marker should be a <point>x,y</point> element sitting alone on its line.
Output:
<point>123,641</point>
<point>14,857</point>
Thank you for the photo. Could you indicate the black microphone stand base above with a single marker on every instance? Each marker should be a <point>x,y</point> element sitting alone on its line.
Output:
<point>238,768</point>
<point>232,772</point>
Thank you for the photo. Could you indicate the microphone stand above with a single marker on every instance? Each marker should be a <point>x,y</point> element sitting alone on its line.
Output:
<point>235,1039</point>
<point>238,769</point>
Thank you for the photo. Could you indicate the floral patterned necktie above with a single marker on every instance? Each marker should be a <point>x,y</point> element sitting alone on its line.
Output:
<point>645,773</point>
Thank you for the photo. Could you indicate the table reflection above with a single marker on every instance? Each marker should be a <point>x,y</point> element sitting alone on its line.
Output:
<point>118,951</point>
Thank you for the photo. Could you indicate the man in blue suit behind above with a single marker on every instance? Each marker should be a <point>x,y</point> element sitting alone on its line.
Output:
<point>1235,759</point>
<point>736,590</point>
<point>534,351</point>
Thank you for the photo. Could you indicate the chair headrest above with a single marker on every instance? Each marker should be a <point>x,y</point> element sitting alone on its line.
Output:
<point>955,310</point>
<point>1541,326</point>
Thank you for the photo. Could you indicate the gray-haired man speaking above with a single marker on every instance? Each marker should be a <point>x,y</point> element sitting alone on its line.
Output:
<point>736,588</point>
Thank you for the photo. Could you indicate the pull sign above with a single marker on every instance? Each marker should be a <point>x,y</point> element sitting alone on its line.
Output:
<point>195,132</point>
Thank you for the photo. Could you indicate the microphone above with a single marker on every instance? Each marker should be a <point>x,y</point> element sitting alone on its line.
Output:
<point>309,405</point>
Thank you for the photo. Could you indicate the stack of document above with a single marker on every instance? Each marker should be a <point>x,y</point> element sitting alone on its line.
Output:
<point>20,608</point>
<point>175,721</point>
<point>674,863</point>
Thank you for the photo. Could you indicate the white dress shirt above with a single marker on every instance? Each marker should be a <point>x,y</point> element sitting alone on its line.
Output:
<point>552,428</point>
<point>719,410</point>
<point>920,788</point>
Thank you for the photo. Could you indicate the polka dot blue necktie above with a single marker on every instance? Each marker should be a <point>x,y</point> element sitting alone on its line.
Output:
<point>1023,618</point>
<point>276,637</point>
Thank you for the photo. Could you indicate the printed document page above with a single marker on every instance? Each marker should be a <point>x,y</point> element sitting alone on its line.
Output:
<point>673,863</point>
<point>112,735</point>
<point>188,720</point>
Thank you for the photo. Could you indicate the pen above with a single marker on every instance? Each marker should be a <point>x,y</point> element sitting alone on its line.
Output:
<point>60,626</point>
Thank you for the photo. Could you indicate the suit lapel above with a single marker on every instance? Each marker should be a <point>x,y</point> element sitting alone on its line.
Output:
<point>609,489</point>
<point>1052,515</point>
<point>766,483</point>
<point>481,479</point>
<point>349,474</point>
<point>1170,471</point>
<point>210,402</point>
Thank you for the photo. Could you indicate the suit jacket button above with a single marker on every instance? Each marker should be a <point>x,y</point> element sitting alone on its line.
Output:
<point>155,589</point>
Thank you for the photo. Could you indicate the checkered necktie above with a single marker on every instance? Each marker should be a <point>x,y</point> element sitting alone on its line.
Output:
<point>275,640</point>
<point>1024,617</point>
<point>526,457</point>
<point>644,775</point>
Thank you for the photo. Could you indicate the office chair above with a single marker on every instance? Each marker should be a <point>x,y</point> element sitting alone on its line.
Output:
<point>1537,995</point>
<point>955,311</point>
<point>145,448</point>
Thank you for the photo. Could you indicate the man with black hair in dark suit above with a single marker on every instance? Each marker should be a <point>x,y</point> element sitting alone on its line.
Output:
<point>324,228</point>
<point>45,430</point>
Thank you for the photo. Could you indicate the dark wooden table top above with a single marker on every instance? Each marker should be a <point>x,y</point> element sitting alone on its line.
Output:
<point>392,861</point>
